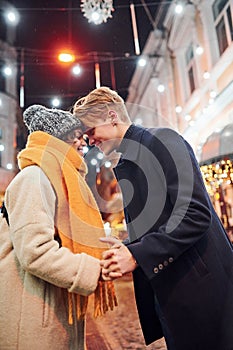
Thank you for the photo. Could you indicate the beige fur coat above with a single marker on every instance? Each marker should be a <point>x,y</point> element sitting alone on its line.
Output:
<point>36,273</point>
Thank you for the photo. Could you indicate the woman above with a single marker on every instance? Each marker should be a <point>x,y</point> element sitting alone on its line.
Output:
<point>49,253</point>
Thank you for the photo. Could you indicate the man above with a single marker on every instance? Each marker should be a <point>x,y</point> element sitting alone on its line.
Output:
<point>178,251</point>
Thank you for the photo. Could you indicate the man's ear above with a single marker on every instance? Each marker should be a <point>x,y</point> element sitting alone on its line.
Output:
<point>113,116</point>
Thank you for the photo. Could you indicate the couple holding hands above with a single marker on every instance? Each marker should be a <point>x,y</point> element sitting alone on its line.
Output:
<point>53,253</point>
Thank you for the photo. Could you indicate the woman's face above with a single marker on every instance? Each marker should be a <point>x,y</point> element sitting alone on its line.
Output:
<point>76,139</point>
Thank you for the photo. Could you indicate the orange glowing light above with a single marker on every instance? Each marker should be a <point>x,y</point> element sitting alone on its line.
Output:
<point>66,57</point>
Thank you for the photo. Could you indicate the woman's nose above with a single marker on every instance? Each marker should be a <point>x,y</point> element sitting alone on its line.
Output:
<point>84,142</point>
<point>91,141</point>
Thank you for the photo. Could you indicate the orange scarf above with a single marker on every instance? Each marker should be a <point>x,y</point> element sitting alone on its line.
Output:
<point>78,219</point>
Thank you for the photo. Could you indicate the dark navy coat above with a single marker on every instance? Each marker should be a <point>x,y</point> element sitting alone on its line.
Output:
<point>184,282</point>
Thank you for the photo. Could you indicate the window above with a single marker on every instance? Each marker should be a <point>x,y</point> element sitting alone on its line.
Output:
<point>2,77</point>
<point>222,11</point>
<point>3,27</point>
<point>190,64</point>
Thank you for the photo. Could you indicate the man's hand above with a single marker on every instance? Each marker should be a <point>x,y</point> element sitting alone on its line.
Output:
<point>117,261</point>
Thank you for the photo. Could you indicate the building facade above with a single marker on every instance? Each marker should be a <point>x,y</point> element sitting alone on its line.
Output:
<point>188,81</point>
<point>8,100</point>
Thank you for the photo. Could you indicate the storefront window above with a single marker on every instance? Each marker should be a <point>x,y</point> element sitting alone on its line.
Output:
<point>218,178</point>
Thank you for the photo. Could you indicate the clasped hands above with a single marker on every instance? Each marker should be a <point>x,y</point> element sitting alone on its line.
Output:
<point>117,260</point>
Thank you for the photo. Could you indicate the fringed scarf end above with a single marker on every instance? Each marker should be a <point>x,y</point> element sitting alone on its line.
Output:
<point>105,298</point>
<point>81,303</point>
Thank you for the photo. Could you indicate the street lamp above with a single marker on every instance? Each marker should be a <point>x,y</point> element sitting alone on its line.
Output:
<point>66,57</point>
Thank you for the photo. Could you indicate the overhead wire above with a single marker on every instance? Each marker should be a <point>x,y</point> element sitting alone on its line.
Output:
<point>62,9</point>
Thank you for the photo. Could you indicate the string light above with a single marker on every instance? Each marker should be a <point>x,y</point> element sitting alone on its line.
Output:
<point>161,88</point>
<point>187,117</point>
<point>179,8</point>
<point>56,102</point>
<point>9,166</point>
<point>142,62</point>
<point>12,16</point>
<point>76,69</point>
<point>7,70</point>
<point>199,50</point>
<point>206,75</point>
<point>178,109</point>
<point>97,11</point>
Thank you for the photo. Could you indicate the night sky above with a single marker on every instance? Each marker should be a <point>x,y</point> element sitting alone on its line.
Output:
<point>47,27</point>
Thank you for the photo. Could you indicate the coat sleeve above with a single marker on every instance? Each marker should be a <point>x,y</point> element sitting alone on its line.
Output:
<point>31,203</point>
<point>186,215</point>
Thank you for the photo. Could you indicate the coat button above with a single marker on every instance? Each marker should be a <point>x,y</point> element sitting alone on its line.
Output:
<point>160,266</point>
<point>156,270</point>
<point>170,259</point>
<point>165,263</point>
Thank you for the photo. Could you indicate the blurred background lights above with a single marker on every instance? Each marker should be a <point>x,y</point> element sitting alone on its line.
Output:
<point>85,149</point>
<point>11,16</point>
<point>199,50</point>
<point>76,70</point>
<point>9,166</point>
<point>213,93</point>
<point>93,161</point>
<point>56,102</point>
<point>161,88</point>
<point>179,8</point>
<point>2,148</point>
<point>107,164</point>
<point>7,70</point>
<point>100,156</point>
<point>188,117</point>
<point>206,75</point>
<point>178,109</point>
<point>142,62</point>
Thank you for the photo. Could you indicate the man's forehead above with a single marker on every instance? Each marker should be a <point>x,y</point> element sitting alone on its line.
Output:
<point>89,130</point>
<point>97,123</point>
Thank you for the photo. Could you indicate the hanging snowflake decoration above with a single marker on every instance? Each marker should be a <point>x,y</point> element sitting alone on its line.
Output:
<point>97,11</point>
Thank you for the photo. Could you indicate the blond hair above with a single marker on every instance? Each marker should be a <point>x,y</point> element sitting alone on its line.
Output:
<point>95,106</point>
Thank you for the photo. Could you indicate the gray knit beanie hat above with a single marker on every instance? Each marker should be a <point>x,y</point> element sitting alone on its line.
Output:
<point>52,121</point>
